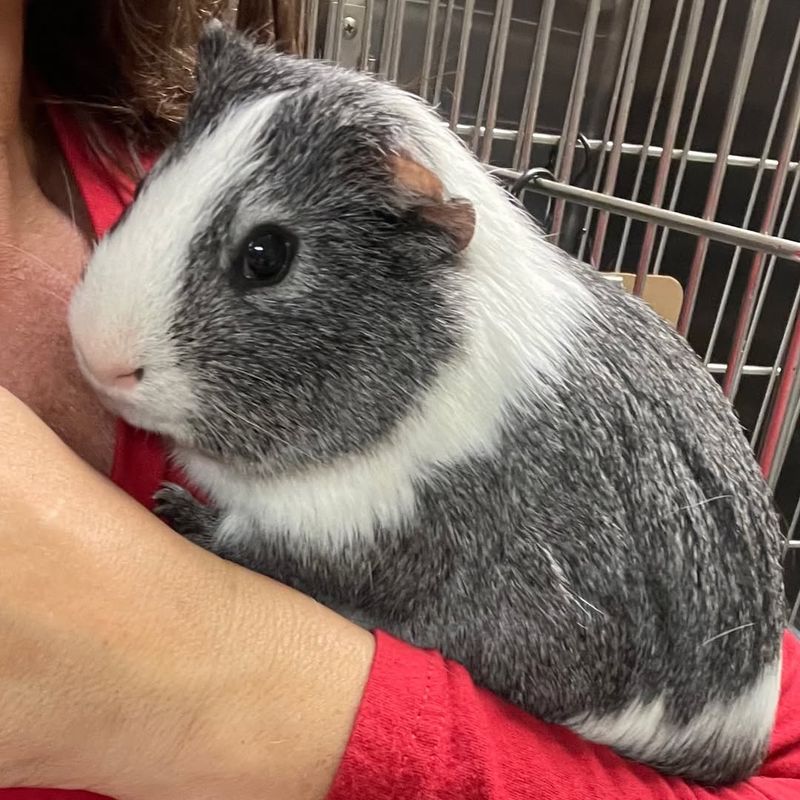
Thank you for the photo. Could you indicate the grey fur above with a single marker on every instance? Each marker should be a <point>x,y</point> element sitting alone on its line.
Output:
<point>623,527</point>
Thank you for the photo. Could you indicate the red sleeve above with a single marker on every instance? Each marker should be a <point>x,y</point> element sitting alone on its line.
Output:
<point>425,731</point>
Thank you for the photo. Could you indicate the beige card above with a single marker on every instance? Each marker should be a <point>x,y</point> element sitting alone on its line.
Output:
<point>662,292</point>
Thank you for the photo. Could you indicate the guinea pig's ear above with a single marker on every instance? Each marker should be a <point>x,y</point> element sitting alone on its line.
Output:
<point>423,193</point>
<point>219,45</point>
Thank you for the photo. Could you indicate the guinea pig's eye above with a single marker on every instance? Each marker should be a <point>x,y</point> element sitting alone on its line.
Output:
<point>265,257</point>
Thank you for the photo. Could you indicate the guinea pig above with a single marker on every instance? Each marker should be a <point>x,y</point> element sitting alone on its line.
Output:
<point>399,398</point>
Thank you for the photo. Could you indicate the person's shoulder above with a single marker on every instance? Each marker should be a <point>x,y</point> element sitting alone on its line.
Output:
<point>790,667</point>
<point>783,760</point>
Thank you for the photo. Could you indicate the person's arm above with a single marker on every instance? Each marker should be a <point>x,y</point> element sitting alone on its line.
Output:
<point>139,666</point>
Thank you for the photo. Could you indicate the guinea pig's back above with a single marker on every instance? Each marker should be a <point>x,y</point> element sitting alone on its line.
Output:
<point>649,481</point>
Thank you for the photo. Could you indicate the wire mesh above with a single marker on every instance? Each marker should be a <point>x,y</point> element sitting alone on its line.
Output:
<point>686,106</point>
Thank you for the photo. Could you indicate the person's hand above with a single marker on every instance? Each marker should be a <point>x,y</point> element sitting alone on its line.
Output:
<point>139,666</point>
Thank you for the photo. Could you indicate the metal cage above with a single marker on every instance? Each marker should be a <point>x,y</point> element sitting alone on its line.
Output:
<point>652,137</point>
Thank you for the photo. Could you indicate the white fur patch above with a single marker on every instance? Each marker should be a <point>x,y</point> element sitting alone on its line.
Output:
<point>122,311</point>
<point>524,309</point>
<point>641,732</point>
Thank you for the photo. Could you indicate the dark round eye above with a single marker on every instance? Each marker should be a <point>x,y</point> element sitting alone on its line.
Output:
<point>265,257</point>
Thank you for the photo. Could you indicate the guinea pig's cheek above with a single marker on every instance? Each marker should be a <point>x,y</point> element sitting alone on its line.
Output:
<point>164,402</point>
<point>160,419</point>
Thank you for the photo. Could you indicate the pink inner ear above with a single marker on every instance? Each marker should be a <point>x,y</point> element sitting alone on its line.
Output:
<point>455,217</point>
<point>416,179</point>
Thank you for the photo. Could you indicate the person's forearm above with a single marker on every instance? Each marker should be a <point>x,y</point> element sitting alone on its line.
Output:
<point>143,667</point>
<point>275,713</point>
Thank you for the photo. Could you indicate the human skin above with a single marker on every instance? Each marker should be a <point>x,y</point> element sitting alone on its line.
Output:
<point>132,663</point>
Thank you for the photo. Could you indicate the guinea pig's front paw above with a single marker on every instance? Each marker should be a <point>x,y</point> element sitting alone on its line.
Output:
<point>185,515</point>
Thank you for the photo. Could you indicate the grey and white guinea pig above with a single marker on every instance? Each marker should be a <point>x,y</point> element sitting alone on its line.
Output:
<point>403,401</point>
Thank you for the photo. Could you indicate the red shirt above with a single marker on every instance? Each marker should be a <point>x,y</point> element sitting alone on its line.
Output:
<point>424,730</point>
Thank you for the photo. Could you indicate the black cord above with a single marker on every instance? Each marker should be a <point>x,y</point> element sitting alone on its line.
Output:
<point>524,180</point>
<point>522,183</point>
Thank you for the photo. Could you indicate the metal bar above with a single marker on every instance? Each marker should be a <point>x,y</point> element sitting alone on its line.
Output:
<point>530,109</point>
<point>461,66</point>
<point>497,79</point>
<point>331,32</point>
<point>577,91</point>
<point>751,204</point>
<point>685,154</point>
<point>446,28</point>
<point>670,135</point>
<point>338,30</point>
<point>755,23</point>
<point>776,366</point>
<point>750,369</point>
<point>610,117</point>
<point>427,55</point>
<point>651,126</point>
<point>487,76</point>
<point>762,296</point>
<point>787,431</point>
<point>387,38</point>
<point>632,149</point>
<point>566,151</point>
<point>621,126</point>
<point>751,332</point>
<point>786,438</point>
<point>541,181</point>
<point>312,20</point>
<point>795,609</point>
<point>741,342</point>
<point>793,525</point>
<point>366,39</point>
<point>397,39</point>
<point>775,429</point>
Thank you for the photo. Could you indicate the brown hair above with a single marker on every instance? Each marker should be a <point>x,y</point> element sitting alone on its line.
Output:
<point>129,63</point>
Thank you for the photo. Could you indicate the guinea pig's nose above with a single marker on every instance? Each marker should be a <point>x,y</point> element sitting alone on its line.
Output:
<point>127,380</point>
<point>111,376</point>
<point>119,378</point>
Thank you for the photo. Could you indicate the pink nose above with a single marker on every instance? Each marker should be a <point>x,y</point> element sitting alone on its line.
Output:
<point>128,380</point>
<point>119,379</point>
<point>111,376</point>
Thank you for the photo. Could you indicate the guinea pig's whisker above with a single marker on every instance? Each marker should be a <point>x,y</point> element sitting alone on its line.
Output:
<point>68,185</point>
<point>270,434</point>
<point>259,379</point>
<point>701,503</point>
<point>244,373</point>
<point>584,602</point>
<point>405,392</point>
<point>217,433</point>
<point>85,104</point>
<point>708,500</point>
<point>729,632</point>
